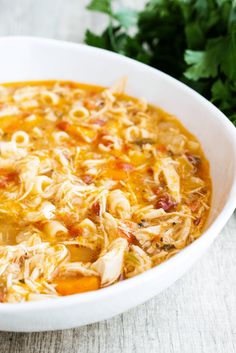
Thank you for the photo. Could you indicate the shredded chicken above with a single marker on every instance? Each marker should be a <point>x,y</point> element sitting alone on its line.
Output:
<point>110,264</point>
<point>95,187</point>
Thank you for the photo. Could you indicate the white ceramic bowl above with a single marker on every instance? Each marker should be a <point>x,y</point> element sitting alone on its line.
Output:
<point>25,59</point>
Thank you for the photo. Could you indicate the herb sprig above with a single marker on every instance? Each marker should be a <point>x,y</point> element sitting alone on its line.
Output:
<point>192,40</point>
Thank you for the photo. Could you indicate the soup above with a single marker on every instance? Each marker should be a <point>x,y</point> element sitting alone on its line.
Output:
<point>95,187</point>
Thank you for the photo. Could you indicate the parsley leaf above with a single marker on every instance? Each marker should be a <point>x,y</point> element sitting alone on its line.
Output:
<point>192,40</point>
<point>204,64</point>
<point>126,17</point>
<point>96,40</point>
<point>103,6</point>
<point>228,65</point>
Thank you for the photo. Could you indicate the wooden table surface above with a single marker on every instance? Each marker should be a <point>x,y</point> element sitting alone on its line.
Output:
<point>198,313</point>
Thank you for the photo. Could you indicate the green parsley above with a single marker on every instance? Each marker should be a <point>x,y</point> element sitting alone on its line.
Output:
<point>192,40</point>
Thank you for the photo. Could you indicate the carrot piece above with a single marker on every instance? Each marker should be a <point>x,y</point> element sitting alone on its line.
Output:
<point>116,174</point>
<point>75,131</point>
<point>10,123</point>
<point>74,285</point>
<point>63,125</point>
<point>119,170</point>
<point>6,178</point>
<point>161,148</point>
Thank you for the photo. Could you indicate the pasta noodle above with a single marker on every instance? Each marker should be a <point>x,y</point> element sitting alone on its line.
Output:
<point>95,187</point>
<point>118,204</point>
<point>78,112</point>
<point>20,138</point>
<point>49,97</point>
<point>54,228</point>
<point>40,184</point>
<point>60,136</point>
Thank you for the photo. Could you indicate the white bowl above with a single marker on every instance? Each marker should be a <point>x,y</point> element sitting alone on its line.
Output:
<point>25,59</point>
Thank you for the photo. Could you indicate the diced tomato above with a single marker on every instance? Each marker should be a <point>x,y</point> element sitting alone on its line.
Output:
<point>87,179</point>
<point>75,230</point>
<point>161,148</point>
<point>89,104</point>
<point>99,122</point>
<point>3,182</point>
<point>63,125</point>
<point>150,171</point>
<point>197,221</point>
<point>157,190</point>
<point>125,166</point>
<point>39,225</point>
<point>96,208</point>
<point>166,203</point>
<point>194,160</point>
<point>5,179</point>
<point>127,147</point>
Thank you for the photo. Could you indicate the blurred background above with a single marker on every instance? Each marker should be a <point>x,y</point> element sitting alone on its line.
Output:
<point>60,19</point>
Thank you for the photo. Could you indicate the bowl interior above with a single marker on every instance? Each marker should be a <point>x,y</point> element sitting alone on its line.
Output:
<point>25,59</point>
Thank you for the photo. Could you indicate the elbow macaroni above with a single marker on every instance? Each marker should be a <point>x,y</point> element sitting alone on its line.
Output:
<point>95,186</point>
<point>20,138</point>
<point>54,229</point>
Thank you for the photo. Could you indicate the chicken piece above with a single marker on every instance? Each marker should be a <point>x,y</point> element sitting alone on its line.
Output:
<point>110,264</point>
<point>183,233</point>
<point>165,165</point>
<point>136,261</point>
<point>78,268</point>
<point>118,204</point>
<point>110,225</point>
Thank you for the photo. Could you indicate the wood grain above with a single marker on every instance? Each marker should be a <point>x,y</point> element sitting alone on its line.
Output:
<point>198,313</point>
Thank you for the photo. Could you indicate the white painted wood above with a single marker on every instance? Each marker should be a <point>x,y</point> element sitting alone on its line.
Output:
<point>198,313</point>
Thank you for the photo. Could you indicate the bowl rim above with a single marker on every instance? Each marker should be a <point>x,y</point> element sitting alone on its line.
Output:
<point>207,236</point>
